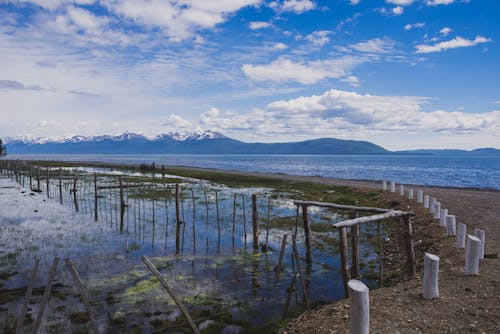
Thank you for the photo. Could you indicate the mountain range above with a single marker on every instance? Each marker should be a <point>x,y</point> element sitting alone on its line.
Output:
<point>206,142</point>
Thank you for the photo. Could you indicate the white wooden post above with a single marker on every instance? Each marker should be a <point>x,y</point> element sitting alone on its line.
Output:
<point>393,187</point>
<point>480,235</point>
<point>384,185</point>
<point>410,193</point>
<point>426,201</point>
<point>432,202</point>
<point>401,190</point>
<point>359,301</point>
<point>420,196</point>
<point>451,225</point>
<point>472,253</point>
<point>431,276</point>
<point>461,234</point>
<point>442,217</point>
<point>437,210</point>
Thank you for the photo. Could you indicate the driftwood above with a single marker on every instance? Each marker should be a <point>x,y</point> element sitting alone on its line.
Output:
<point>373,218</point>
<point>29,292</point>
<point>341,206</point>
<point>171,292</point>
<point>46,294</point>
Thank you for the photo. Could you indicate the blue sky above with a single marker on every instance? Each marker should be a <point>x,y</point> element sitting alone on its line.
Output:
<point>400,73</point>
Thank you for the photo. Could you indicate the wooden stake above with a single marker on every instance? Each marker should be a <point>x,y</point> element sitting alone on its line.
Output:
<point>218,219</point>
<point>268,222</point>
<point>307,232</point>
<point>344,263</point>
<point>60,186</point>
<point>178,219</point>
<point>194,221</point>
<point>431,276</point>
<point>380,259</point>
<point>359,310</point>
<point>302,282</point>
<point>280,261</point>
<point>244,221</point>
<point>410,251</point>
<point>48,183</point>
<point>355,270</point>
<point>171,292</point>
<point>122,203</point>
<point>255,223</point>
<point>96,204</point>
<point>234,216</point>
<point>75,198</point>
<point>83,294</point>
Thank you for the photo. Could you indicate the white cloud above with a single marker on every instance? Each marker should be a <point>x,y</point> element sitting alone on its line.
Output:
<point>414,25</point>
<point>283,70</point>
<point>181,19</point>
<point>294,6</point>
<point>457,42</point>
<point>55,4</point>
<point>351,80</point>
<point>400,2</point>
<point>397,10</point>
<point>349,113</point>
<point>255,25</point>
<point>375,45</point>
<point>319,37</point>
<point>439,2</point>
<point>355,2</point>
<point>445,31</point>
<point>176,122</point>
<point>279,46</point>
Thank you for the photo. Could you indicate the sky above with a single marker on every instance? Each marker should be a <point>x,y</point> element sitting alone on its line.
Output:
<point>403,74</point>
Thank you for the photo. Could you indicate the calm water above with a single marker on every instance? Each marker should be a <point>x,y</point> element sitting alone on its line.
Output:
<point>448,171</point>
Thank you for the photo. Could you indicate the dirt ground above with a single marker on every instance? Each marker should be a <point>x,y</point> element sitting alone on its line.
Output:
<point>467,304</point>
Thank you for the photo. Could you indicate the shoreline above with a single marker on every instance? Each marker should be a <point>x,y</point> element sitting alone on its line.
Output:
<point>363,183</point>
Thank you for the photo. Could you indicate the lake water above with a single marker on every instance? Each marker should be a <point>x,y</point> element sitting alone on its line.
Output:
<point>447,171</point>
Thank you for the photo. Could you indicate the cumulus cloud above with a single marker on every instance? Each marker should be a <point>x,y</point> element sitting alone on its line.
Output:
<point>279,46</point>
<point>319,37</point>
<point>55,4</point>
<point>337,110</point>
<point>457,42</point>
<point>414,25</point>
<point>351,80</point>
<point>398,10</point>
<point>294,6</point>
<point>16,85</point>
<point>177,122</point>
<point>284,69</point>
<point>400,2</point>
<point>439,2</point>
<point>255,25</point>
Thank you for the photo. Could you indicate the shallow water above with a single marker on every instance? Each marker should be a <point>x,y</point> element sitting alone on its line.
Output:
<point>212,276</point>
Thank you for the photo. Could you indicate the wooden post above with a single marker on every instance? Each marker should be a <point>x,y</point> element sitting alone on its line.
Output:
<point>451,225</point>
<point>178,219</point>
<point>302,282</point>
<point>344,263</point>
<point>431,276</point>
<point>410,193</point>
<point>255,224</point>
<point>432,204</point>
<point>60,186</point>
<point>472,254</point>
<point>426,201</point>
<point>29,292</point>
<point>442,217</point>
<point>38,178</point>
<point>96,204</point>
<point>194,221</point>
<point>234,216</point>
<point>480,235</point>
<point>359,310</point>
<point>307,232</point>
<point>380,259</point>
<point>437,210</point>
<point>384,185</point>
<point>420,196</point>
<point>171,292</point>
<point>46,294</point>
<point>461,234</point>
<point>218,219</point>
<point>48,183</point>
<point>31,177</point>
<point>75,199</point>
<point>244,221</point>
<point>280,261</point>
<point>393,187</point>
<point>401,190</point>
<point>355,269</point>
<point>83,294</point>
<point>410,251</point>
<point>268,222</point>
<point>122,203</point>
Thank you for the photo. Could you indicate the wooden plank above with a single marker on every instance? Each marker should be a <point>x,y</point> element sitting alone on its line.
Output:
<point>372,218</point>
<point>344,263</point>
<point>46,294</point>
<point>341,206</point>
<point>83,294</point>
<point>171,292</point>
<point>29,292</point>
<point>410,251</point>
